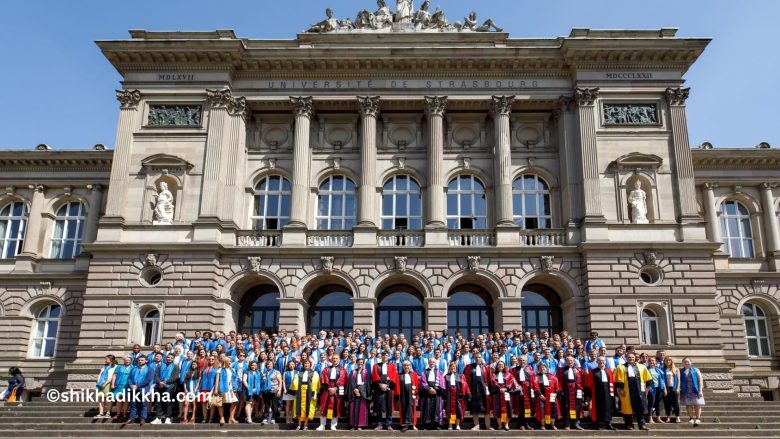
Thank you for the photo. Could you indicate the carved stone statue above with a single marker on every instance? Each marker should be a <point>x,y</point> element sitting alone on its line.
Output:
<point>163,207</point>
<point>470,23</point>
<point>404,11</point>
<point>637,199</point>
<point>383,18</point>
<point>364,20</point>
<point>422,18</point>
<point>330,24</point>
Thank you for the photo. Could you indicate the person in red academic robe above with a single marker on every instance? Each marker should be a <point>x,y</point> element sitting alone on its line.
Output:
<point>478,379</point>
<point>456,389</point>
<point>502,383</point>
<point>384,383</point>
<point>570,379</point>
<point>546,405</point>
<point>332,382</point>
<point>407,393</point>
<point>528,388</point>
<point>602,393</point>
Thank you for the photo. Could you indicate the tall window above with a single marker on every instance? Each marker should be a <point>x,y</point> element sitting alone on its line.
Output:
<point>260,310</point>
<point>468,312</point>
<point>68,227</point>
<point>47,324</point>
<point>331,310</point>
<point>336,204</point>
<point>400,312</point>
<point>531,203</point>
<point>272,203</point>
<point>401,204</point>
<point>650,327</point>
<point>150,327</point>
<point>756,328</point>
<point>541,310</point>
<point>466,205</point>
<point>737,231</point>
<point>13,221</point>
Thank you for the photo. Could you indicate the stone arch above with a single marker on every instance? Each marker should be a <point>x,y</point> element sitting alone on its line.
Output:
<point>35,304</point>
<point>752,205</point>
<point>330,170</point>
<point>313,281</point>
<point>754,211</point>
<point>253,180</point>
<point>471,170</point>
<point>568,291</point>
<point>409,277</point>
<point>769,303</point>
<point>544,173</point>
<point>405,171</point>
<point>58,201</point>
<point>481,278</point>
<point>238,285</point>
<point>15,197</point>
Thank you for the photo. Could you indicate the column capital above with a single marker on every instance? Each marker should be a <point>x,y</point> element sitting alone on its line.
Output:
<point>586,96</point>
<point>767,186</point>
<point>235,106</point>
<point>37,188</point>
<point>502,105</point>
<point>677,96</point>
<point>435,105</point>
<point>128,99</point>
<point>303,106</point>
<point>95,187</point>
<point>566,102</point>
<point>369,105</point>
<point>710,185</point>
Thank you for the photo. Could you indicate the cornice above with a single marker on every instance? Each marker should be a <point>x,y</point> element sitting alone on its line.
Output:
<point>56,160</point>
<point>736,158</point>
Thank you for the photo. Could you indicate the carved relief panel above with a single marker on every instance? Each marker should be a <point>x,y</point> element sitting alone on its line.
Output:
<point>401,132</point>
<point>271,133</point>
<point>532,131</point>
<point>466,131</point>
<point>337,132</point>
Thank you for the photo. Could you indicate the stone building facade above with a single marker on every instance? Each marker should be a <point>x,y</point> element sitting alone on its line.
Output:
<point>451,180</point>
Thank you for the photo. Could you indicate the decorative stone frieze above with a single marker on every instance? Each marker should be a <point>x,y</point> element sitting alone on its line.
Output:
<point>175,115</point>
<point>630,114</point>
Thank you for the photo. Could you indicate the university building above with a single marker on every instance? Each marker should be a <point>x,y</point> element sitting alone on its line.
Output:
<point>396,178</point>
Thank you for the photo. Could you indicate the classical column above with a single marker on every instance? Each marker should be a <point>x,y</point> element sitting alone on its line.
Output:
<point>232,173</point>
<point>502,158</point>
<point>32,238</point>
<point>586,99</point>
<point>435,107</point>
<point>93,214</point>
<point>219,127</point>
<point>369,112</point>
<point>682,163</point>
<point>713,223</point>
<point>120,167</point>
<point>770,218</point>
<point>303,108</point>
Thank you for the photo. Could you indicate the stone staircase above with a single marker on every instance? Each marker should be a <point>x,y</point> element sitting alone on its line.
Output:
<point>724,416</point>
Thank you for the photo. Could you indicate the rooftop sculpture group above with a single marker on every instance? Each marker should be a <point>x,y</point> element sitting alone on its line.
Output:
<point>405,18</point>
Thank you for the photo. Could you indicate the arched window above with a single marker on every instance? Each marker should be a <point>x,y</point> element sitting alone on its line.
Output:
<point>272,203</point>
<point>541,309</point>
<point>468,311</point>
<point>466,205</point>
<point>336,204</point>
<point>150,327</point>
<point>401,204</point>
<point>737,231</point>
<point>650,327</point>
<point>757,330</point>
<point>260,310</point>
<point>47,325</point>
<point>13,222</point>
<point>400,312</point>
<point>68,228</point>
<point>531,202</point>
<point>331,310</point>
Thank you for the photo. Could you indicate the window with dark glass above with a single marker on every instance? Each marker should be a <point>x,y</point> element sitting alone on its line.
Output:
<point>466,203</point>
<point>531,203</point>
<point>756,330</point>
<point>336,204</point>
<point>541,310</point>
<point>737,230</point>
<point>401,204</point>
<point>330,309</point>
<point>259,310</point>
<point>400,311</point>
<point>68,228</point>
<point>469,311</point>
<point>13,222</point>
<point>272,203</point>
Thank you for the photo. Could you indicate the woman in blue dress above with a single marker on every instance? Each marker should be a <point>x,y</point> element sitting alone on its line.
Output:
<point>121,373</point>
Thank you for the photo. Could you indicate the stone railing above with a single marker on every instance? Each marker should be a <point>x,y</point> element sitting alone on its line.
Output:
<point>470,238</point>
<point>400,238</point>
<point>329,238</point>
<point>259,238</point>
<point>542,237</point>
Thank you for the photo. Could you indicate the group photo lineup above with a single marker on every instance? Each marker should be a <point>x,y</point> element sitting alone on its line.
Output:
<point>391,217</point>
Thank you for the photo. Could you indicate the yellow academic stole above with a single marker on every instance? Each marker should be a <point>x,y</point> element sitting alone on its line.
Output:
<point>304,389</point>
<point>452,419</point>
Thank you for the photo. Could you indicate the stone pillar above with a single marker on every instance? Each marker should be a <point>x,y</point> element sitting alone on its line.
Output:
<point>713,222</point>
<point>292,314</point>
<point>219,127</point>
<point>32,238</point>
<point>120,166</point>
<point>295,232</point>
<point>435,107</point>
<point>682,165</point>
<point>502,158</point>
<point>91,221</point>
<point>369,112</point>
<point>586,99</point>
<point>436,313</point>
<point>364,314</point>
<point>232,173</point>
<point>507,314</point>
<point>770,219</point>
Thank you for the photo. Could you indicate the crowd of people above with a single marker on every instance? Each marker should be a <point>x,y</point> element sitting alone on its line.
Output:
<point>519,380</point>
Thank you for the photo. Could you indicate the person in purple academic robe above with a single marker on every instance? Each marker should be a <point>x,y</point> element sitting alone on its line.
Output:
<point>358,393</point>
<point>432,389</point>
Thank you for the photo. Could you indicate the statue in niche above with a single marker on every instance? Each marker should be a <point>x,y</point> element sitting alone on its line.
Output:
<point>329,24</point>
<point>404,11</point>
<point>470,23</point>
<point>637,199</point>
<point>163,207</point>
<point>382,17</point>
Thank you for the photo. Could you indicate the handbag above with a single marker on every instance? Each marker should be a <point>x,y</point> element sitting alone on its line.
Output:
<point>215,400</point>
<point>12,395</point>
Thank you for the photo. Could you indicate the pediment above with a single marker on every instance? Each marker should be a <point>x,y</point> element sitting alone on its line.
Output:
<point>636,160</point>
<point>165,161</point>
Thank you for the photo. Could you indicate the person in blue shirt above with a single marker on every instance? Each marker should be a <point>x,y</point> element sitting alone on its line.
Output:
<point>155,350</point>
<point>254,385</point>
<point>591,362</point>
<point>140,381</point>
<point>135,354</point>
<point>656,391</point>
<point>166,377</point>
<point>594,343</point>
<point>691,391</point>
<point>550,362</point>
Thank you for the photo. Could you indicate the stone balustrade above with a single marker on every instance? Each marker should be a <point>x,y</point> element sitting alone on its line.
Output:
<point>400,238</point>
<point>542,238</point>
<point>329,238</point>
<point>259,238</point>
<point>471,238</point>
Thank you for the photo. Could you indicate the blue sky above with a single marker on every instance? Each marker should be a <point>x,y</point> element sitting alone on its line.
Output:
<point>57,88</point>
